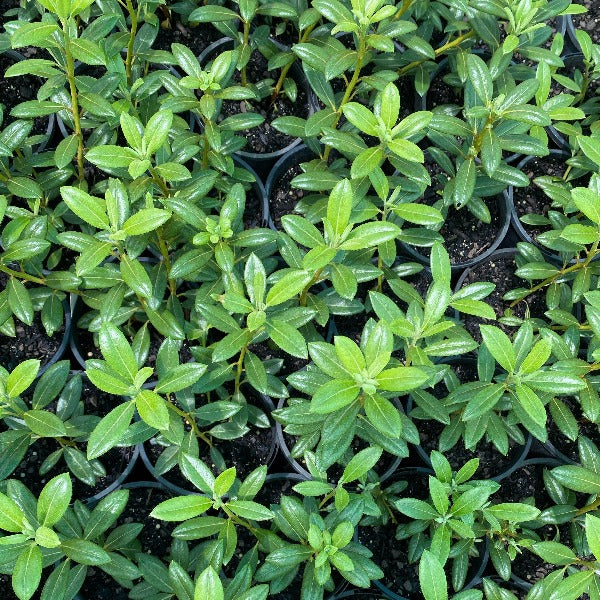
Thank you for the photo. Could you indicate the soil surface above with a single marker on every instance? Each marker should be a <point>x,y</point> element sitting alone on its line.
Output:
<point>155,539</point>
<point>562,443</point>
<point>284,197</point>
<point>589,21</point>
<point>14,90</point>
<point>532,199</point>
<point>465,236</point>
<point>197,39</point>
<point>31,341</point>
<point>501,271</point>
<point>264,138</point>
<point>440,93</point>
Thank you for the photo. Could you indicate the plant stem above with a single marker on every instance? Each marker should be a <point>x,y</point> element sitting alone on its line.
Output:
<point>165,254</point>
<point>22,275</point>
<point>191,422</point>
<point>159,182</point>
<point>240,368</point>
<point>350,88</point>
<point>286,68</point>
<point>134,24</point>
<point>448,46</point>
<point>312,282</point>
<point>576,267</point>
<point>406,4</point>
<point>246,37</point>
<point>70,72</point>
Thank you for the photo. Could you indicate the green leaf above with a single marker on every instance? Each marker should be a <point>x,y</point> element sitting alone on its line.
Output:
<point>334,395</point>
<point>212,14</point>
<point>32,34</point>
<point>577,479</point>
<point>480,77</point>
<point>146,220</point>
<point>157,131</point>
<point>180,377</point>
<point>85,552</point>
<point>361,463</point>
<point>117,352</point>
<point>555,553</point>
<point>339,206</point>
<point>44,424</point>
<point>87,208</point>
<point>515,512</point>
<point>464,182</point>
<point>592,534</point>
<point>500,346</point>
<point>290,285</point>
<point>152,409</point>
<point>420,214</point>
<point>19,301</point>
<point>22,377</point>
<point>181,508</point>
<point>589,145</point>
<point>290,340</point>
<point>432,577</point>
<point>135,276</point>
<point>27,572</point>
<point>110,430</point>
<point>11,516</point>
<point>361,117</point>
<point>531,404</point>
<point>250,510</point>
<point>401,379</point>
<point>416,509</point>
<point>588,202</point>
<point>208,584</point>
<point>65,151</point>
<point>383,415</point>
<point>54,500</point>
<point>111,157</point>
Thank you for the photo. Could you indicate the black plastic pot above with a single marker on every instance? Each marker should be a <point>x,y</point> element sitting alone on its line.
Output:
<point>519,228</point>
<point>298,468</point>
<point>297,155</point>
<point>18,57</point>
<point>567,28</point>
<point>574,59</point>
<point>64,344</point>
<point>267,405</point>
<point>505,214</point>
<point>477,568</point>
<point>263,162</point>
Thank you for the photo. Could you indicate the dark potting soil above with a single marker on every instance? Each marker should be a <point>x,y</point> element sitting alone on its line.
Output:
<point>562,443</point>
<point>264,138</point>
<point>245,454</point>
<point>87,348</point>
<point>155,538</point>
<point>6,6</point>
<point>440,93</point>
<point>30,341</point>
<point>268,351</point>
<point>501,271</point>
<point>491,462</point>
<point>14,90</point>
<point>273,489</point>
<point>351,326</point>
<point>419,281</point>
<point>6,590</point>
<point>284,197</point>
<point>525,482</point>
<point>253,212</point>
<point>589,21</point>
<point>197,39</point>
<point>114,461</point>
<point>532,199</point>
<point>465,236</point>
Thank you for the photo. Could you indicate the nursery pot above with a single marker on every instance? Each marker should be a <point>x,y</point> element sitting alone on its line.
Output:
<point>262,162</point>
<point>265,403</point>
<point>573,60</point>
<point>49,133</point>
<point>504,216</point>
<point>567,28</point>
<point>514,464</point>
<point>478,564</point>
<point>517,225</point>
<point>298,468</point>
<point>62,347</point>
<point>297,155</point>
